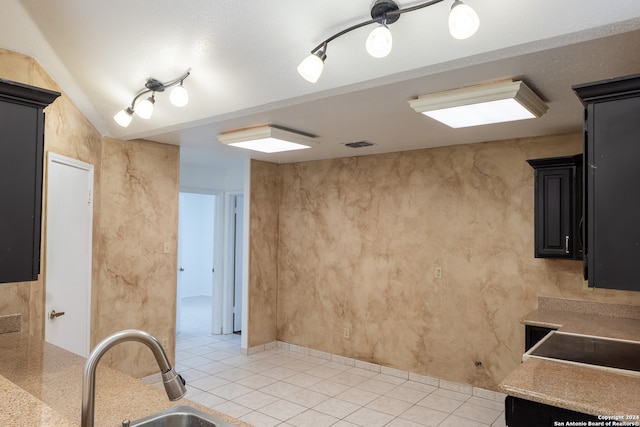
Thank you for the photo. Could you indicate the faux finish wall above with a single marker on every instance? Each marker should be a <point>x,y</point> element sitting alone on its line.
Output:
<point>359,239</point>
<point>263,253</point>
<point>135,212</point>
<point>67,132</point>
<point>137,280</point>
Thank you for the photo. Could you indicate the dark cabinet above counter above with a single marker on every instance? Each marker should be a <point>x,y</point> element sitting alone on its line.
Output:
<point>21,161</point>
<point>558,207</point>
<point>612,175</point>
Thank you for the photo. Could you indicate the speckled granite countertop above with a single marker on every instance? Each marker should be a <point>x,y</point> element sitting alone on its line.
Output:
<point>589,390</point>
<point>41,386</point>
<point>19,408</point>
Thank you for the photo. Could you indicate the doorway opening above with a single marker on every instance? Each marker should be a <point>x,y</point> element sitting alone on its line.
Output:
<point>236,203</point>
<point>196,270</point>
<point>210,252</point>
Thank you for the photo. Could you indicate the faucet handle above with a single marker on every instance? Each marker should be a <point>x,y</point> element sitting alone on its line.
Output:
<point>126,423</point>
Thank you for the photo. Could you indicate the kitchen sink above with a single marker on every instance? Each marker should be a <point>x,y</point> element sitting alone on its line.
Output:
<point>179,416</point>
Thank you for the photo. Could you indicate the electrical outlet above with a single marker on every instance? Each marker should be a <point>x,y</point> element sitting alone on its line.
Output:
<point>437,272</point>
<point>165,343</point>
<point>167,247</point>
<point>345,333</point>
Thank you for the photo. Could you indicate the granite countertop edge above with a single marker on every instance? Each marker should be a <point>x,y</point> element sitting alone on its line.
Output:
<point>576,388</point>
<point>593,391</point>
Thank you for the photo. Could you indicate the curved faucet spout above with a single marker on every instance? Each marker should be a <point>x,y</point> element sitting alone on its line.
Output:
<point>173,383</point>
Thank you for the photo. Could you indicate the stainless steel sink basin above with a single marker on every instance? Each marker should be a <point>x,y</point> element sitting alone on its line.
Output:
<point>180,416</point>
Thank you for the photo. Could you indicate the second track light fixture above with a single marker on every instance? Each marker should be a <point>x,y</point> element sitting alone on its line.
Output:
<point>463,23</point>
<point>144,109</point>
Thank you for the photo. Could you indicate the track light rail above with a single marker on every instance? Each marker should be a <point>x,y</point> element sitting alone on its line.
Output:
<point>179,97</point>
<point>463,23</point>
<point>154,85</point>
<point>389,16</point>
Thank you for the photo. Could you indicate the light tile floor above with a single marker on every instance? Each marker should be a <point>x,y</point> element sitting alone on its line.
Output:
<point>278,387</point>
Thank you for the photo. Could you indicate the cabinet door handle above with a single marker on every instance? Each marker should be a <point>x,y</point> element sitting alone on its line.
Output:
<point>566,244</point>
<point>581,234</point>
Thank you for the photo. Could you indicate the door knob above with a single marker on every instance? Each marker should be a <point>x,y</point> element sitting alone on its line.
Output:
<point>181,269</point>
<point>53,314</point>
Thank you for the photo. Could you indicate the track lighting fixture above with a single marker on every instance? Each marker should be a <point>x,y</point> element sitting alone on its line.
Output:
<point>463,23</point>
<point>144,109</point>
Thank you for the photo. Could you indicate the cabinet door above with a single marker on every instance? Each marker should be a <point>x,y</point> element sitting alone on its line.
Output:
<point>554,213</point>
<point>525,413</point>
<point>21,178</point>
<point>614,200</point>
<point>21,150</point>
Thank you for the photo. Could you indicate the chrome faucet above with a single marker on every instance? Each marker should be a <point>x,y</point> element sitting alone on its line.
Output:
<point>174,385</point>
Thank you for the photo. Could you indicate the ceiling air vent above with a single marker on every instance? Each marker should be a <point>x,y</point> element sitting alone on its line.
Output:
<point>359,144</point>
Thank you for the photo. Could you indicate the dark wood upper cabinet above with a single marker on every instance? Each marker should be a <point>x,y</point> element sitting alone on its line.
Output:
<point>21,161</point>
<point>612,180</point>
<point>558,207</point>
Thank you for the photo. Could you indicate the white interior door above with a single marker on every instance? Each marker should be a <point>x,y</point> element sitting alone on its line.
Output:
<point>68,253</point>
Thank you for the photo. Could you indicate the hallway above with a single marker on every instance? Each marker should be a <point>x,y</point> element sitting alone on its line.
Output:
<point>195,315</point>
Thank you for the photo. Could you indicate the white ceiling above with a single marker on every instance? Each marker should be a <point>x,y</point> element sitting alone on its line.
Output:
<point>243,56</point>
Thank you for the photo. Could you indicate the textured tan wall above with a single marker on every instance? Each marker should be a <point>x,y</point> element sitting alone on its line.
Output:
<point>67,132</point>
<point>135,212</point>
<point>137,280</point>
<point>359,239</point>
<point>263,253</point>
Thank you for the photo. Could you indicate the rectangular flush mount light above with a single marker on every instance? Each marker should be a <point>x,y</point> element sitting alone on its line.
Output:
<point>266,139</point>
<point>480,105</point>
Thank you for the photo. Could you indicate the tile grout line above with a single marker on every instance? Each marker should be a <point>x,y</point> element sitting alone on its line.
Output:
<point>350,364</point>
<point>411,376</point>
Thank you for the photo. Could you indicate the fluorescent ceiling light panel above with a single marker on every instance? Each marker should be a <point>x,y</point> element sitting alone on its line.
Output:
<point>481,105</point>
<point>266,139</point>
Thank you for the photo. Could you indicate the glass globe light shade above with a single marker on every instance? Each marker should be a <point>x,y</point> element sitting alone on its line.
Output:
<point>144,108</point>
<point>379,42</point>
<point>179,96</point>
<point>311,68</point>
<point>463,21</point>
<point>123,117</point>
